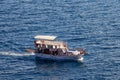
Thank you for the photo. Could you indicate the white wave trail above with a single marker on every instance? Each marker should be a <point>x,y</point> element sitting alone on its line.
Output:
<point>16,54</point>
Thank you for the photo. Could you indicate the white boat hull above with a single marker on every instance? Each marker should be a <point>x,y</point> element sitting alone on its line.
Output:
<point>58,58</point>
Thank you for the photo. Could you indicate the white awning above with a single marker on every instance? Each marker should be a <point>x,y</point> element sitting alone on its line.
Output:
<point>44,37</point>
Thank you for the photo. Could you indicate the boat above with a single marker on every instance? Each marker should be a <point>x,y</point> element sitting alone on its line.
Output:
<point>48,48</point>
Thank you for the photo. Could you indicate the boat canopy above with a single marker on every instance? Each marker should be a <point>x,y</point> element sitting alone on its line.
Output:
<point>44,37</point>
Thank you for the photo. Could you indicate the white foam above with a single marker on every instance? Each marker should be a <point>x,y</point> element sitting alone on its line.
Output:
<point>16,54</point>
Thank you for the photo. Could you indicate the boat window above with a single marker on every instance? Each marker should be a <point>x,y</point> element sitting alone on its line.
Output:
<point>43,45</point>
<point>50,46</point>
<point>55,47</point>
<point>39,45</point>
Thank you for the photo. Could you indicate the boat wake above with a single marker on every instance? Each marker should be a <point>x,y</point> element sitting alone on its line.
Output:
<point>16,54</point>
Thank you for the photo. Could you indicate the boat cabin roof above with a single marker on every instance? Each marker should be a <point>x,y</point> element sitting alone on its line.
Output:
<point>44,37</point>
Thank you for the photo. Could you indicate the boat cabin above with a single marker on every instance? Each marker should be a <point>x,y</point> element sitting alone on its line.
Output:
<point>46,44</point>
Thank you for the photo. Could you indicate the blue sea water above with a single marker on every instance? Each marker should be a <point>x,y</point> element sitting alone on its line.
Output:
<point>90,24</point>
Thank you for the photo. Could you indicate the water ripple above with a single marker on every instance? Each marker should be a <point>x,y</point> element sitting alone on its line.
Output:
<point>89,24</point>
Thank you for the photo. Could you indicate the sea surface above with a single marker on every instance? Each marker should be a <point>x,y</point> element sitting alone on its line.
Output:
<point>90,24</point>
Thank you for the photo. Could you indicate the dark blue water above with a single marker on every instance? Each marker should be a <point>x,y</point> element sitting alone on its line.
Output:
<point>90,24</point>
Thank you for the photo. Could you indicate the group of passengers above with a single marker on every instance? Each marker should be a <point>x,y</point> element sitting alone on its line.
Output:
<point>50,50</point>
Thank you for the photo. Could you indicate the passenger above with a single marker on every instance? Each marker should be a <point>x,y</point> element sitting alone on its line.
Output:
<point>56,52</point>
<point>60,51</point>
<point>50,51</point>
<point>46,51</point>
<point>43,47</point>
